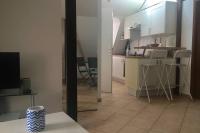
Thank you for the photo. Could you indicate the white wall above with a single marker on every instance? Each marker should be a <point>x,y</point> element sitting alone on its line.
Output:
<point>33,27</point>
<point>83,8</point>
<point>87,35</point>
<point>116,25</point>
<point>106,46</point>
<point>187,31</point>
<point>87,7</point>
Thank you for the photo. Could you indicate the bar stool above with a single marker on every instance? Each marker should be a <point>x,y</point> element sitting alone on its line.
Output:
<point>158,67</point>
<point>184,66</point>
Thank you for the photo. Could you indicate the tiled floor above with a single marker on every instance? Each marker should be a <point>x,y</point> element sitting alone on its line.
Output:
<point>87,96</point>
<point>121,113</point>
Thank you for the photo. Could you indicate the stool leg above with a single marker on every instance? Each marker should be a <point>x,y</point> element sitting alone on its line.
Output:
<point>158,86</point>
<point>140,85</point>
<point>186,83</point>
<point>160,81</point>
<point>145,75</point>
<point>161,75</point>
<point>168,81</point>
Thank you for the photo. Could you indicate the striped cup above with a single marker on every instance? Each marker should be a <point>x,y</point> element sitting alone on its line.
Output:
<point>35,119</point>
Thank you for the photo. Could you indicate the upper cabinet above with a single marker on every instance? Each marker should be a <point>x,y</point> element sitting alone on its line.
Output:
<point>145,23</point>
<point>127,25</point>
<point>130,23</point>
<point>158,19</point>
<point>163,18</point>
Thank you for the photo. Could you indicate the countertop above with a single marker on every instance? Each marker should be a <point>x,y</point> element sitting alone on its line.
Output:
<point>131,56</point>
<point>123,56</point>
<point>137,57</point>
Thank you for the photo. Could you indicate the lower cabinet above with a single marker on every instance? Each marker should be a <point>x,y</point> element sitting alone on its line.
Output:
<point>134,75</point>
<point>118,68</point>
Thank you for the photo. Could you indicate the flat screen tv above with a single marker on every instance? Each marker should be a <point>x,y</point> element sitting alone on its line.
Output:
<point>9,70</point>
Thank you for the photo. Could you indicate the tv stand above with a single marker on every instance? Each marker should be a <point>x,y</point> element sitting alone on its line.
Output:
<point>32,96</point>
<point>15,115</point>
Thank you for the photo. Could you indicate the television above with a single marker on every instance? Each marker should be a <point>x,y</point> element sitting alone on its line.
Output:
<point>9,70</point>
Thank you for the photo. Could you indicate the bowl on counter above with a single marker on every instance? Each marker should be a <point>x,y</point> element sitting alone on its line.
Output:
<point>154,45</point>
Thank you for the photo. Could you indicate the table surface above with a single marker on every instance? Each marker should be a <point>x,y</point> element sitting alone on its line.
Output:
<point>55,123</point>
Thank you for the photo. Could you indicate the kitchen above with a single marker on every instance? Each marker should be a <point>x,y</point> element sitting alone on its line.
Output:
<point>152,29</point>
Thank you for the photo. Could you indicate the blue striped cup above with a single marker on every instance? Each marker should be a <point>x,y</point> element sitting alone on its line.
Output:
<point>35,119</point>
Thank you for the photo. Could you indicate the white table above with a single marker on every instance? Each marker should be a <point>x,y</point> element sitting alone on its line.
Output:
<point>55,123</point>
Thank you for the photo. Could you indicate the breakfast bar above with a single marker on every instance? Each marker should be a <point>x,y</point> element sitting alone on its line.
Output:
<point>170,49</point>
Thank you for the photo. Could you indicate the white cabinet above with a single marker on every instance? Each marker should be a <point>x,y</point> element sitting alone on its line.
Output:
<point>163,18</point>
<point>127,24</point>
<point>118,68</point>
<point>158,19</point>
<point>145,23</point>
<point>157,14</point>
<point>131,22</point>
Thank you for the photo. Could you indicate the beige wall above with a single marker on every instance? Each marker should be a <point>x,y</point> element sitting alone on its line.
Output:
<point>33,27</point>
<point>87,35</point>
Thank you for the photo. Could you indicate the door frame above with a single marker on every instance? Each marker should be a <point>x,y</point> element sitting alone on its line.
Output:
<point>70,58</point>
<point>193,62</point>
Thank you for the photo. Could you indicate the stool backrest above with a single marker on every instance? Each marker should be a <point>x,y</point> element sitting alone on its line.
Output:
<point>183,54</point>
<point>158,54</point>
<point>81,61</point>
<point>92,62</point>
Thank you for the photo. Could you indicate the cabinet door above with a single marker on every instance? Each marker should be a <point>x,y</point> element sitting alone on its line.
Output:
<point>145,23</point>
<point>127,24</point>
<point>130,21</point>
<point>158,19</point>
<point>118,67</point>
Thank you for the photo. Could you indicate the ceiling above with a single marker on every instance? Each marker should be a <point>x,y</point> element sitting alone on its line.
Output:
<point>126,7</point>
<point>120,7</point>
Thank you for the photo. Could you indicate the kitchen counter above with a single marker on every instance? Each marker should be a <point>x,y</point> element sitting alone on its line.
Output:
<point>133,72</point>
<point>130,56</point>
<point>119,55</point>
<point>137,57</point>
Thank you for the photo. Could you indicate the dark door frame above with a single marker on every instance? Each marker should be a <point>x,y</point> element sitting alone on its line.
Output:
<point>179,23</point>
<point>178,41</point>
<point>70,58</point>
<point>195,91</point>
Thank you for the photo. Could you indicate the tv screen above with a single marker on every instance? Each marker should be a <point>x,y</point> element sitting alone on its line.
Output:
<point>9,70</point>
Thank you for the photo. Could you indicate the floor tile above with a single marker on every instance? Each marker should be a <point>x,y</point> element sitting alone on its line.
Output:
<point>142,123</point>
<point>155,131</point>
<point>121,113</point>
<point>131,129</point>
<point>113,124</point>
<point>168,124</point>
<point>190,129</point>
